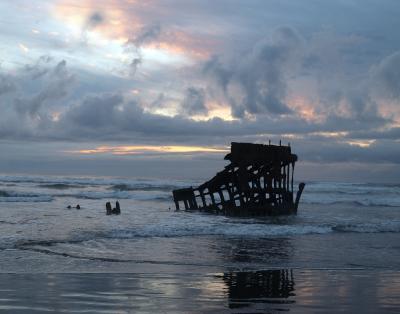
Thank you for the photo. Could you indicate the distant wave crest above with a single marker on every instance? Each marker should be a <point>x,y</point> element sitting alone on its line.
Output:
<point>358,203</point>
<point>382,227</point>
<point>143,187</point>
<point>9,197</point>
<point>60,186</point>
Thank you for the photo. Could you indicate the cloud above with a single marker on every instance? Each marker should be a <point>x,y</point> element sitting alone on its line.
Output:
<point>145,35</point>
<point>194,101</point>
<point>267,79</point>
<point>328,83</point>
<point>386,76</point>
<point>37,90</point>
<point>392,133</point>
<point>220,74</point>
<point>114,116</point>
<point>6,85</point>
<point>259,78</point>
<point>40,68</point>
<point>339,151</point>
<point>94,20</point>
<point>110,116</point>
<point>58,81</point>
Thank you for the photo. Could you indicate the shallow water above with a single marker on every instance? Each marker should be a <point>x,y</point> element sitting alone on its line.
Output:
<point>344,239</point>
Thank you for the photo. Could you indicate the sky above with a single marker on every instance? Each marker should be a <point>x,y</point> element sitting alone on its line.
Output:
<point>161,88</point>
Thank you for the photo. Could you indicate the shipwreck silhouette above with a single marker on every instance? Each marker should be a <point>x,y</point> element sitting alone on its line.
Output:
<point>258,181</point>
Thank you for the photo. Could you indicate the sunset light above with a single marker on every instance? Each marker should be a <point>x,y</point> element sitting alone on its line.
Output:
<point>136,150</point>
<point>196,156</point>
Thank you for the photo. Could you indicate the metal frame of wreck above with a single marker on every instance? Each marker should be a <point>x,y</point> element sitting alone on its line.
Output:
<point>258,181</point>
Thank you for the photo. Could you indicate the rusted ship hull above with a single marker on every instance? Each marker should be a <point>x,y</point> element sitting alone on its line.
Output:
<point>257,182</point>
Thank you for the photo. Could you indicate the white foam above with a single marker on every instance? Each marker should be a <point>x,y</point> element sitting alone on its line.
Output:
<point>26,199</point>
<point>229,230</point>
<point>378,227</point>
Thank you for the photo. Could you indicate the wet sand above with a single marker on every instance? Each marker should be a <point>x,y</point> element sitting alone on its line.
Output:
<point>268,291</point>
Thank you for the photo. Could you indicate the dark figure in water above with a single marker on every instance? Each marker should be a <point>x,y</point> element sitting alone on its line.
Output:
<point>108,208</point>
<point>78,206</point>
<point>69,206</point>
<point>117,209</point>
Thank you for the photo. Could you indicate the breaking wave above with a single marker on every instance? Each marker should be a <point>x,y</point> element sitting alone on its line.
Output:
<point>359,203</point>
<point>229,230</point>
<point>256,230</point>
<point>60,186</point>
<point>352,194</point>
<point>45,188</point>
<point>226,230</point>
<point>184,229</point>
<point>381,227</point>
<point>143,187</point>
<point>114,183</point>
<point>7,196</point>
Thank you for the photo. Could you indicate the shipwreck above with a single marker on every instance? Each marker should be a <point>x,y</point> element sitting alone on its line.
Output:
<point>257,182</point>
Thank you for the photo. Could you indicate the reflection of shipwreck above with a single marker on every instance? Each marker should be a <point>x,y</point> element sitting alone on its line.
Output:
<point>269,287</point>
<point>258,181</point>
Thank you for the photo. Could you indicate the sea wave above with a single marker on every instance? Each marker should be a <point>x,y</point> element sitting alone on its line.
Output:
<point>93,195</point>
<point>380,227</point>
<point>26,199</point>
<point>10,197</point>
<point>256,230</point>
<point>143,187</point>
<point>114,183</point>
<point>224,230</point>
<point>60,186</point>
<point>7,196</point>
<point>358,203</point>
<point>4,194</point>
<point>230,230</point>
<point>48,187</point>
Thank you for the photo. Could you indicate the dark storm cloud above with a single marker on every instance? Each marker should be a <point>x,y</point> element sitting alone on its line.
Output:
<point>39,69</point>
<point>339,151</point>
<point>94,20</point>
<point>388,134</point>
<point>37,90</point>
<point>145,35</point>
<point>105,116</point>
<point>6,85</point>
<point>58,82</point>
<point>387,76</point>
<point>343,83</point>
<point>218,72</point>
<point>194,101</point>
<point>261,75</point>
<point>257,82</point>
<point>111,116</point>
<point>339,56</point>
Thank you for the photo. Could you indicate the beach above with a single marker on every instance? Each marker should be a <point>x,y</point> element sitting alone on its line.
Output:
<point>339,254</point>
<point>271,291</point>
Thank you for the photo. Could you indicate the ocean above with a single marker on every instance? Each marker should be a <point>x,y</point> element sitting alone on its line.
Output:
<point>340,253</point>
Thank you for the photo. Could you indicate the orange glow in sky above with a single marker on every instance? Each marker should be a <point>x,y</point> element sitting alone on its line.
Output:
<point>304,108</point>
<point>135,150</point>
<point>120,25</point>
